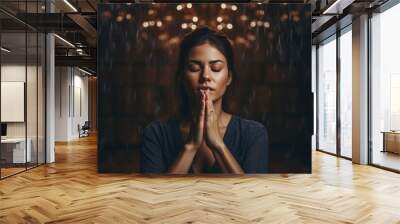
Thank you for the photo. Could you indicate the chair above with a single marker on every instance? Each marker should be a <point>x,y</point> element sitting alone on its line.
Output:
<point>84,130</point>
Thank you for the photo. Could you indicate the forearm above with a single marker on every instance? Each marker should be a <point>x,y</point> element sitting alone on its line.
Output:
<point>225,157</point>
<point>220,162</point>
<point>184,160</point>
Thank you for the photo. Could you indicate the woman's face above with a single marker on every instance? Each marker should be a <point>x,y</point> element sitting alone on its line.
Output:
<point>206,70</point>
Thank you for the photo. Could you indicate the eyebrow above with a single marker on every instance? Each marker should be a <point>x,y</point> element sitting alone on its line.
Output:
<point>215,61</point>
<point>211,62</point>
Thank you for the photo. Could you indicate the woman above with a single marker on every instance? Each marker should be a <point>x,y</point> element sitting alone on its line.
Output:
<point>204,138</point>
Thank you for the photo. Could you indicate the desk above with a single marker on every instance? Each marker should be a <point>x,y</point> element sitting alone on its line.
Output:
<point>391,141</point>
<point>13,150</point>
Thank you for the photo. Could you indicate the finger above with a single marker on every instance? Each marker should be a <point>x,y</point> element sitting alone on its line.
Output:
<point>210,106</point>
<point>201,96</point>
<point>200,104</point>
<point>202,109</point>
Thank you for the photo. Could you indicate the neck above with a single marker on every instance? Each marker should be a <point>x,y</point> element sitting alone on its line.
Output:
<point>218,110</point>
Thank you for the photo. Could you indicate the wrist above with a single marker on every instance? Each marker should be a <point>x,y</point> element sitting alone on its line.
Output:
<point>219,147</point>
<point>191,147</point>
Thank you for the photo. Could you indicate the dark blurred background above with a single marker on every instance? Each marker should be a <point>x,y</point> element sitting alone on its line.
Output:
<point>138,46</point>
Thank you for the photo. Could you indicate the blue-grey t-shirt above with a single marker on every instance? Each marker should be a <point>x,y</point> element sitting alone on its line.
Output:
<point>246,139</point>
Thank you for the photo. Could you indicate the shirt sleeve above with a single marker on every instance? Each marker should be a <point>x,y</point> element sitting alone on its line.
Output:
<point>256,158</point>
<point>151,157</point>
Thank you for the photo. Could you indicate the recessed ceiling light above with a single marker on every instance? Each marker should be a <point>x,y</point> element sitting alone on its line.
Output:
<point>70,5</point>
<point>65,41</point>
<point>5,50</point>
<point>334,7</point>
<point>84,71</point>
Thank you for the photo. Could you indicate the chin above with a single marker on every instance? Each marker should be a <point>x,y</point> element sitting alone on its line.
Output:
<point>215,98</point>
<point>212,97</point>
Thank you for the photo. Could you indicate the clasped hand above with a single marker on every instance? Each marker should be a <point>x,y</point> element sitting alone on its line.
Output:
<point>205,127</point>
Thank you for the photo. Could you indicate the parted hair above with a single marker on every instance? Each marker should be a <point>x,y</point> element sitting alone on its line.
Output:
<point>193,39</point>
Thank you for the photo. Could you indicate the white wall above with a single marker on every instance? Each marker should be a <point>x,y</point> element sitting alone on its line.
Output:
<point>12,73</point>
<point>80,112</point>
<point>33,127</point>
<point>16,73</point>
<point>71,93</point>
<point>62,81</point>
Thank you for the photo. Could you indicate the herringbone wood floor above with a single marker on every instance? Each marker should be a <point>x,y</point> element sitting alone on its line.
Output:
<point>71,191</point>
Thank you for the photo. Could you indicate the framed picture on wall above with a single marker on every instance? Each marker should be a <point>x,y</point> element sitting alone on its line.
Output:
<point>197,88</point>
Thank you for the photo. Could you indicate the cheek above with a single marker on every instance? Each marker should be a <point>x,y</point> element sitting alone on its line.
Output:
<point>190,80</point>
<point>222,80</point>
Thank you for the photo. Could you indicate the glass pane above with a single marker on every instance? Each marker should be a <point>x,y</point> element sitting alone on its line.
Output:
<point>327,96</point>
<point>346,94</point>
<point>31,100</point>
<point>41,98</point>
<point>31,86</point>
<point>23,88</point>
<point>386,89</point>
<point>313,86</point>
<point>14,152</point>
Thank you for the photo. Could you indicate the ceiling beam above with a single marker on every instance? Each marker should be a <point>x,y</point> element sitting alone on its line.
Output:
<point>84,24</point>
<point>337,7</point>
<point>65,6</point>
<point>83,61</point>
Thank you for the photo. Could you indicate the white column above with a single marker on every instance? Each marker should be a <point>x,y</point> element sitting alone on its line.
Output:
<point>50,93</point>
<point>360,90</point>
<point>50,100</point>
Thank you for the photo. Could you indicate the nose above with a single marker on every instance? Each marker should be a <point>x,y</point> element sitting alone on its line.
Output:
<point>206,74</point>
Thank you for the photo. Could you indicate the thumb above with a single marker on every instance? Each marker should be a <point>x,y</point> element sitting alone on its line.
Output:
<point>210,106</point>
<point>202,113</point>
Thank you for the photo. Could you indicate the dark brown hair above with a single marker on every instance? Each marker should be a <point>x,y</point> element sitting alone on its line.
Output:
<point>193,39</point>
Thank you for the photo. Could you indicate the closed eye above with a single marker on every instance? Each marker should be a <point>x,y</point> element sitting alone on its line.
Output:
<point>194,67</point>
<point>217,66</point>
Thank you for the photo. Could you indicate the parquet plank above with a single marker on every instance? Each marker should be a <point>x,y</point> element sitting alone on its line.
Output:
<point>71,191</point>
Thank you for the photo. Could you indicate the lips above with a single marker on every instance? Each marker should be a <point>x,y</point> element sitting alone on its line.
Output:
<point>206,88</point>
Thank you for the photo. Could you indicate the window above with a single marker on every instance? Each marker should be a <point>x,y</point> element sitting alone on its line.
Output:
<point>385,88</point>
<point>327,96</point>
<point>346,93</point>
<point>22,78</point>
